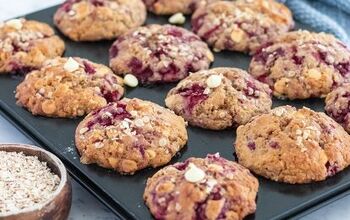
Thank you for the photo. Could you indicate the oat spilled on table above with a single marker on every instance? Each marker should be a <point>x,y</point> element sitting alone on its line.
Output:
<point>25,181</point>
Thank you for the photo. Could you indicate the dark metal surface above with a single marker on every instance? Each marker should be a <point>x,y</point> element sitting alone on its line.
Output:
<point>123,194</point>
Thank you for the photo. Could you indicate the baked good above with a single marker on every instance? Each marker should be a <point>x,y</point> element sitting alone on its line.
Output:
<point>166,7</point>
<point>293,146</point>
<point>338,105</point>
<point>219,98</point>
<point>241,25</point>
<point>159,54</point>
<point>302,64</point>
<point>68,87</point>
<point>209,188</point>
<point>26,44</point>
<point>93,20</point>
<point>130,135</point>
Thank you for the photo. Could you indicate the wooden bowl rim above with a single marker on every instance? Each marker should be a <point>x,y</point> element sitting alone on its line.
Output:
<point>57,162</point>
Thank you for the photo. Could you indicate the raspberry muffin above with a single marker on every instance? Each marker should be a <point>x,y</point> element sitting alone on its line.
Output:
<point>166,7</point>
<point>130,135</point>
<point>241,25</point>
<point>68,87</point>
<point>93,20</point>
<point>293,146</point>
<point>26,44</point>
<point>338,105</point>
<point>209,188</point>
<point>219,98</point>
<point>302,64</point>
<point>159,53</point>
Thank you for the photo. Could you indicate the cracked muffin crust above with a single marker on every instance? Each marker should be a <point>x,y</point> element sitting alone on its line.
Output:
<point>93,20</point>
<point>210,188</point>
<point>241,25</point>
<point>130,135</point>
<point>338,105</point>
<point>68,87</point>
<point>302,64</point>
<point>26,44</point>
<point>159,53</point>
<point>219,98</point>
<point>293,146</point>
<point>166,7</point>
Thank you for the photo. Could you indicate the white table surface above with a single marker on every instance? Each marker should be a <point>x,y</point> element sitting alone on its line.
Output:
<point>85,206</point>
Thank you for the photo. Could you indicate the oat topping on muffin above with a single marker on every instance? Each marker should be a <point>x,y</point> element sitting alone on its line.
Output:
<point>93,20</point>
<point>293,145</point>
<point>130,135</point>
<point>302,64</point>
<point>166,7</point>
<point>209,188</point>
<point>241,25</point>
<point>159,54</point>
<point>26,44</point>
<point>69,87</point>
<point>219,98</point>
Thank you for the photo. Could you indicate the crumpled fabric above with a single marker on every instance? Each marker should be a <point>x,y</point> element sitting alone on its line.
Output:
<point>310,12</point>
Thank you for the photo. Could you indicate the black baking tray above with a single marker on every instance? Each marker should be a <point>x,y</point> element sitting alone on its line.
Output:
<point>123,194</point>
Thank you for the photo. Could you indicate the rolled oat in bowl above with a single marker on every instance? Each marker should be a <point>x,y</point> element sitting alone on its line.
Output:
<point>25,182</point>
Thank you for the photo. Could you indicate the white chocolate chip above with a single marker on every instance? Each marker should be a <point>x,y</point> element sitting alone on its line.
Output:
<point>177,18</point>
<point>214,81</point>
<point>194,174</point>
<point>163,142</point>
<point>15,23</point>
<point>71,65</point>
<point>131,80</point>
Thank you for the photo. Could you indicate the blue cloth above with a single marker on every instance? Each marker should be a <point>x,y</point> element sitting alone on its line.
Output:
<point>307,12</point>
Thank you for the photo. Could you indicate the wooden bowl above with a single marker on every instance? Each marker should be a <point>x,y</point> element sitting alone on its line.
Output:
<point>58,207</point>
